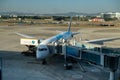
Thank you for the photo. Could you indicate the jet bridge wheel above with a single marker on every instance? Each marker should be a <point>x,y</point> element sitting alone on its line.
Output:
<point>68,66</point>
<point>68,63</point>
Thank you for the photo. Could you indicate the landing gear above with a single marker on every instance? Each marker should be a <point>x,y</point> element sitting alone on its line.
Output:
<point>44,62</point>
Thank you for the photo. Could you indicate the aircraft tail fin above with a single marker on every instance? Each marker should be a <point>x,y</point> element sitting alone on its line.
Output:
<point>69,28</point>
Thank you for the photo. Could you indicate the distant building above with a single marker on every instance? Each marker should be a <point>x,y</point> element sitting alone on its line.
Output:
<point>96,20</point>
<point>15,16</point>
<point>118,15</point>
<point>111,15</point>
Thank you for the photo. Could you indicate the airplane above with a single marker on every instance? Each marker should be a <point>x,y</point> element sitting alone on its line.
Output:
<point>42,50</point>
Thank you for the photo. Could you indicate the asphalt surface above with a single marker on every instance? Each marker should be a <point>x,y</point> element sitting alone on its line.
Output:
<point>16,66</point>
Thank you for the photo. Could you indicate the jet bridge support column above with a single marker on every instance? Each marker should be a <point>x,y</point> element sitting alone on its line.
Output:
<point>111,62</point>
<point>102,59</point>
<point>67,65</point>
<point>112,75</point>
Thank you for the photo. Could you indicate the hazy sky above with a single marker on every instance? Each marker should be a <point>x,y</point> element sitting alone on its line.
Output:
<point>59,6</point>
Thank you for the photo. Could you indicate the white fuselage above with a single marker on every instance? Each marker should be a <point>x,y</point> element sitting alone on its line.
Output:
<point>42,49</point>
<point>63,35</point>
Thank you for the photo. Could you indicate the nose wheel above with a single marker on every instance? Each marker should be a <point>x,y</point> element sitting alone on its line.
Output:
<point>44,62</point>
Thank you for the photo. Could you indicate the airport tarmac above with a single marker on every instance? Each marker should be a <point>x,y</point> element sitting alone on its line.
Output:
<point>19,67</point>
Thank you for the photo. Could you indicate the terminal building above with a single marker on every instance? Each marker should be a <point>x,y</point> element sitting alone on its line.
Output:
<point>111,15</point>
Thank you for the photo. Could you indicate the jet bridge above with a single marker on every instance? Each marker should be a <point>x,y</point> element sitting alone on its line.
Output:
<point>97,54</point>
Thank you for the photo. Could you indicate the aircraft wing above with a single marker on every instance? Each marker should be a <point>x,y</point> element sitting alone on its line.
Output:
<point>23,35</point>
<point>74,33</point>
<point>59,31</point>
<point>101,41</point>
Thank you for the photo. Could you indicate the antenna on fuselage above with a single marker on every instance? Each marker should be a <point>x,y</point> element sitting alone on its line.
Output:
<point>69,28</point>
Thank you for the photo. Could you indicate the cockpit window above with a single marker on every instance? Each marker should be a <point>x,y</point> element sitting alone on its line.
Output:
<point>42,49</point>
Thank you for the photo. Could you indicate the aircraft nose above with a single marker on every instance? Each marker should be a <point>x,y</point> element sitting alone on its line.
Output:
<point>38,56</point>
<point>41,54</point>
